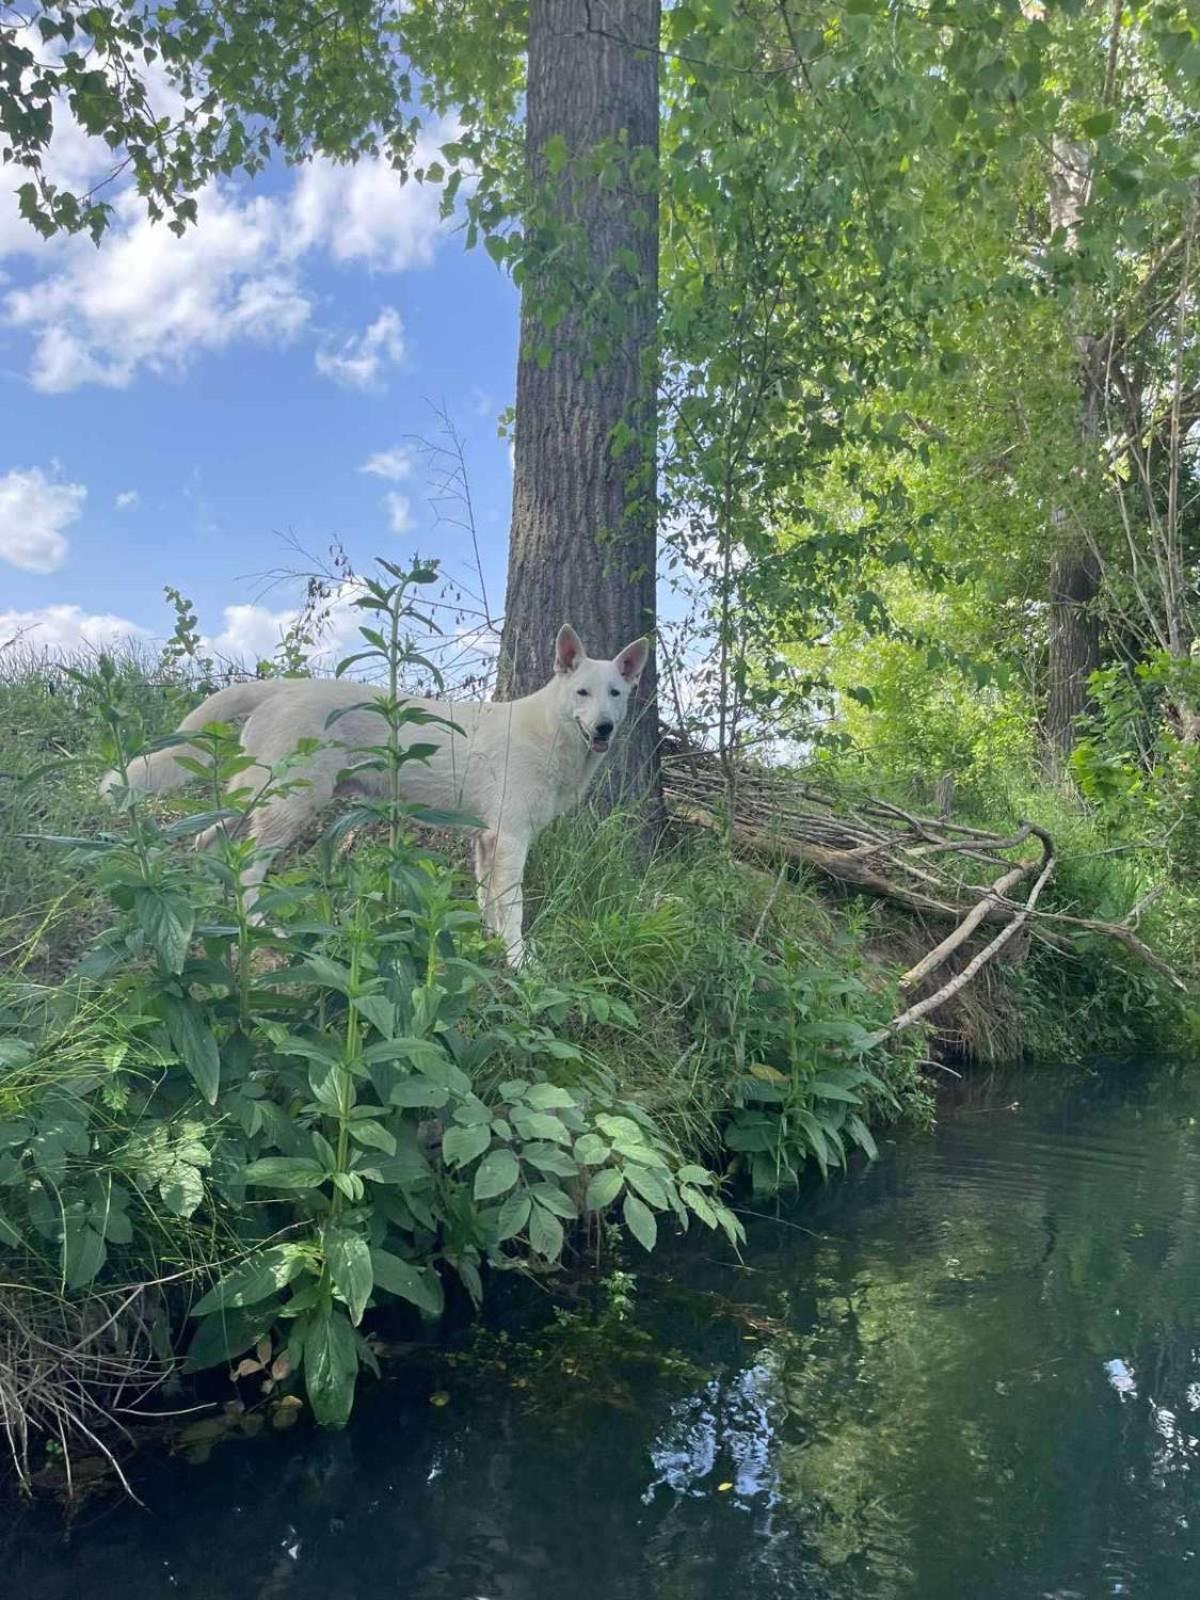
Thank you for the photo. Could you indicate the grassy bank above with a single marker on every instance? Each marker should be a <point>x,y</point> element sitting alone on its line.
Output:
<point>231,1142</point>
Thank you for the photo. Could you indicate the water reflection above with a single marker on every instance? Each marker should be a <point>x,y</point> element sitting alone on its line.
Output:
<point>977,1376</point>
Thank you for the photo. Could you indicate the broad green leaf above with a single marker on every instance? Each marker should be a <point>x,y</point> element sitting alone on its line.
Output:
<point>167,920</point>
<point>603,1189</point>
<point>348,1257</point>
<point>460,1145</point>
<point>182,1191</point>
<point>554,1199</point>
<point>834,1091</point>
<point>700,1204</point>
<point>512,1216</point>
<point>496,1174</point>
<point>639,1219</point>
<point>861,1135</point>
<point>226,1334</point>
<point>418,1093</point>
<point>330,1365</point>
<point>194,1043</point>
<point>379,1012</point>
<point>539,1125</point>
<point>591,1150</point>
<point>648,1186</point>
<point>374,1135</point>
<point>419,1285</point>
<point>84,1253</point>
<point>545,1233</point>
<point>253,1280</point>
<point>285,1172</point>
<point>548,1097</point>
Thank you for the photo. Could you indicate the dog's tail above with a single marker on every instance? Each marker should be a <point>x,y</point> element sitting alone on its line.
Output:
<point>159,772</point>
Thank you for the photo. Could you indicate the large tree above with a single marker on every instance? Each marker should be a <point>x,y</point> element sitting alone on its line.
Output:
<point>582,545</point>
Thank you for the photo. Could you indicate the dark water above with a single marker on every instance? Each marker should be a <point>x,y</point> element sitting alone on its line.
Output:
<point>979,1380</point>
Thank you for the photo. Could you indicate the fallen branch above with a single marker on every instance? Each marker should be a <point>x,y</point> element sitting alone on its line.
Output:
<point>878,848</point>
<point>977,962</point>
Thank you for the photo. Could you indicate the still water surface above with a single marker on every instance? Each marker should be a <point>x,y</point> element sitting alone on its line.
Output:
<point>977,1377</point>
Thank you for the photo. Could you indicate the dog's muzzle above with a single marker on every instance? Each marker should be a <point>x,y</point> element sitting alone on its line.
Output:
<point>598,744</point>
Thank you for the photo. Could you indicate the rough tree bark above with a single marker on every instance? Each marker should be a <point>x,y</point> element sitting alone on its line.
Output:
<point>1073,643</point>
<point>582,545</point>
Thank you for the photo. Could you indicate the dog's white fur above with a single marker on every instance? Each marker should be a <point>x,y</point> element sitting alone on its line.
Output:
<point>515,765</point>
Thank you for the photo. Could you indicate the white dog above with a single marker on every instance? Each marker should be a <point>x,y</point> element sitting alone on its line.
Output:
<point>515,766</point>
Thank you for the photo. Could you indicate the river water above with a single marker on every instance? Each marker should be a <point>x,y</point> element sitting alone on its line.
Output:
<point>970,1371</point>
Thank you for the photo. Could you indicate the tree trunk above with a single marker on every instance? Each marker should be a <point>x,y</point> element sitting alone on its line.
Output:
<point>1073,643</point>
<point>582,545</point>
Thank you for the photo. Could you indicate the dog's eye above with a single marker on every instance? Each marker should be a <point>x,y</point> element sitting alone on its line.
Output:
<point>616,693</point>
<point>582,693</point>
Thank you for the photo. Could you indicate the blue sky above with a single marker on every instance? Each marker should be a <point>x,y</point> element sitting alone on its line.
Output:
<point>171,407</point>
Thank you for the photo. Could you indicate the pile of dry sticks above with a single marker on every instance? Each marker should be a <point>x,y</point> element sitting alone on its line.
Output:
<point>930,866</point>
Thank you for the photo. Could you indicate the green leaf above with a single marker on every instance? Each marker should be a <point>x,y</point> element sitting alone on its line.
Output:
<point>182,1191</point>
<point>496,1174</point>
<point>861,1135</point>
<point>460,1145</point>
<point>418,1093</point>
<point>639,1219</point>
<point>512,1216</point>
<point>545,1233</point>
<point>374,1135</point>
<point>262,1275</point>
<point>591,1150</point>
<point>539,1125</point>
<point>648,1186</point>
<point>285,1172</point>
<point>330,1365</point>
<point>834,1091</point>
<point>194,1043</point>
<point>548,1097</point>
<point>700,1204</point>
<point>224,1335</point>
<point>603,1189</point>
<point>419,1285</point>
<point>379,1012</point>
<point>84,1253</point>
<point>554,1199</point>
<point>167,920</point>
<point>1102,123</point>
<point>348,1258</point>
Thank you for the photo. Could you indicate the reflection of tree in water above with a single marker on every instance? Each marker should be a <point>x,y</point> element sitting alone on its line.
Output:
<point>948,1421</point>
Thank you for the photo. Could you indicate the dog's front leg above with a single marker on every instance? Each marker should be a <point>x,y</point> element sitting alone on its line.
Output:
<point>505,897</point>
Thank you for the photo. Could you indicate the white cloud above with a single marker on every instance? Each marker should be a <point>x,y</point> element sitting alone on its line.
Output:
<point>34,510</point>
<point>252,632</point>
<point>64,629</point>
<point>127,499</point>
<point>393,464</point>
<point>361,361</point>
<point>365,214</point>
<point>399,512</point>
<point>150,300</point>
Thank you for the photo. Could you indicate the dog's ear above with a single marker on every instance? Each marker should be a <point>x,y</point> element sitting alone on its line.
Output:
<point>631,662</point>
<point>568,649</point>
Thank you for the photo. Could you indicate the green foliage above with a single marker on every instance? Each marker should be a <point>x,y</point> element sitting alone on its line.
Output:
<point>755,1007</point>
<point>349,1094</point>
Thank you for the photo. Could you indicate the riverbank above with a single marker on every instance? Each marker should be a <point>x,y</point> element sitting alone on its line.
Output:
<point>240,1145</point>
<point>962,1320</point>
